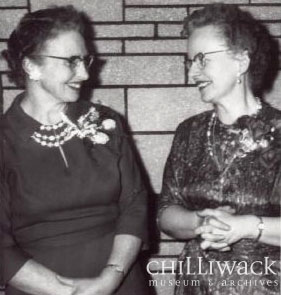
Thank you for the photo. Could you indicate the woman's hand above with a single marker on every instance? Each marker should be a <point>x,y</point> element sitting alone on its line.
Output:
<point>240,226</point>
<point>105,284</point>
<point>208,222</point>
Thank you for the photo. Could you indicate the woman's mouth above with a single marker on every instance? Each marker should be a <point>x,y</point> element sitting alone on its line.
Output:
<point>74,85</point>
<point>202,84</point>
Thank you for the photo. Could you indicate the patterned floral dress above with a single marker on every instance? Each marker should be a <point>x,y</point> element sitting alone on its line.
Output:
<point>208,171</point>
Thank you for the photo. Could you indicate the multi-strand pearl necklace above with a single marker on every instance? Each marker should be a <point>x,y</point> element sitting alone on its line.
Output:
<point>87,126</point>
<point>55,135</point>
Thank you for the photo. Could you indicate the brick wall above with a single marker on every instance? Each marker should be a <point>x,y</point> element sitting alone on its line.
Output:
<point>143,76</point>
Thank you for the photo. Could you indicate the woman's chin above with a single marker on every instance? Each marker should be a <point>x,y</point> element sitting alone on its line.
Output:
<point>206,98</point>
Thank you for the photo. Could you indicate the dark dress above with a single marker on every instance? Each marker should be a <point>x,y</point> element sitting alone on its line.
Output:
<point>64,213</point>
<point>250,183</point>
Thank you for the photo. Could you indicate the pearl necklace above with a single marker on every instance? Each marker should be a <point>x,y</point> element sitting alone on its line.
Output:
<point>211,141</point>
<point>52,135</point>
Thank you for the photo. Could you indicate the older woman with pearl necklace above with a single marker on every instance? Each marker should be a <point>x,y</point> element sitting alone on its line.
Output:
<point>221,186</point>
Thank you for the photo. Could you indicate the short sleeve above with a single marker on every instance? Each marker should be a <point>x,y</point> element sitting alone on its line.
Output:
<point>174,171</point>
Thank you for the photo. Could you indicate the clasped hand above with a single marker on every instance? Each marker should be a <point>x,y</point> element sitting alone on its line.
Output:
<point>220,228</point>
<point>105,284</point>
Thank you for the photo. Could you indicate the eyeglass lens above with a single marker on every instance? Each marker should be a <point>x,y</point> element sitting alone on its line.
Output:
<point>74,61</point>
<point>199,58</point>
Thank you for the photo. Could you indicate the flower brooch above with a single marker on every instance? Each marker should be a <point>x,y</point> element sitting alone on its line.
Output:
<point>88,126</point>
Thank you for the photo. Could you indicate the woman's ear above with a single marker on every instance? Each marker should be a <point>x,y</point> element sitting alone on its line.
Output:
<point>244,61</point>
<point>32,70</point>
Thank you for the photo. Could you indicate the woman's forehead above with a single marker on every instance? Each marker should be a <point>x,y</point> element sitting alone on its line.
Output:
<point>203,39</point>
<point>65,43</point>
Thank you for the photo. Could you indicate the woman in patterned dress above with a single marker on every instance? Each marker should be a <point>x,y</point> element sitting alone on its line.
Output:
<point>221,186</point>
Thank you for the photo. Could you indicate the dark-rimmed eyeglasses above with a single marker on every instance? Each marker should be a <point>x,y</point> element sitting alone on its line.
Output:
<point>72,61</point>
<point>200,59</point>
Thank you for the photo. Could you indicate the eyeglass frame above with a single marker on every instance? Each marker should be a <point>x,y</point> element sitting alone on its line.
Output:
<point>72,60</point>
<point>196,58</point>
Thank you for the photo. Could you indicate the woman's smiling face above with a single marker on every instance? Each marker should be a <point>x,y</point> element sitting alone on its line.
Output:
<point>58,80</point>
<point>216,78</point>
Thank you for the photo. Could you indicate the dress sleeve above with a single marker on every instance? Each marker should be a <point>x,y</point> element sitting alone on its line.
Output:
<point>133,196</point>
<point>174,171</point>
<point>12,257</point>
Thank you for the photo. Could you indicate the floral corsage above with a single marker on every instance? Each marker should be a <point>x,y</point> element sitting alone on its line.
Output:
<point>257,135</point>
<point>89,126</point>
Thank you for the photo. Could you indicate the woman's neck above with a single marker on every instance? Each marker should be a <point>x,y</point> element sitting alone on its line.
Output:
<point>42,109</point>
<point>231,108</point>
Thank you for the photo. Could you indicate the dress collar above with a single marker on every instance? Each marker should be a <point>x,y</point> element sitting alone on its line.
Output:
<point>24,125</point>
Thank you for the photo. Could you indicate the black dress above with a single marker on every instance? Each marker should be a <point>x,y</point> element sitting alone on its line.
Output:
<point>211,170</point>
<point>62,204</point>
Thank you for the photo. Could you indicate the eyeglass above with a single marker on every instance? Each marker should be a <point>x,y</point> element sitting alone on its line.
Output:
<point>200,59</point>
<point>73,61</point>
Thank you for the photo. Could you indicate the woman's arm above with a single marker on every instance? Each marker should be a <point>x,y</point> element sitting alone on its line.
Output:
<point>241,227</point>
<point>173,218</point>
<point>179,222</point>
<point>124,252</point>
<point>272,231</point>
<point>33,278</point>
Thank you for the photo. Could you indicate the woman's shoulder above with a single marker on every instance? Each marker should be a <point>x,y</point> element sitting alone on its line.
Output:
<point>196,121</point>
<point>271,115</point>
<point>272,112</point>
<point>81,108</point>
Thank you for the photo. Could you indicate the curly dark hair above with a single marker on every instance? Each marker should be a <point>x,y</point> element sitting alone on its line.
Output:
<point>241,32</point>
<point>34,29</point>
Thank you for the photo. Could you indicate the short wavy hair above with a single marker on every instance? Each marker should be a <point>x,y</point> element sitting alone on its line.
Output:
<point>241,31</point>
<point>34,29</point>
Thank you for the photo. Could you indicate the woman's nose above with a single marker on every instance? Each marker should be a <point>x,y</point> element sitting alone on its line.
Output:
<point>82,71</point>
<point>193,72</point>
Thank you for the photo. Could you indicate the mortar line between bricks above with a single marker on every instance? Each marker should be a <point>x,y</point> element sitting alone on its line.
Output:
<point>171,6</point>
<point>180,54</point>
<point>123,47</point>
<point>260,4</point>
<point>174,6</point>
<point>148,86</point>
<point>139,86</point>
<point>123,10</point>
<point>143,23</point>
<point>187,11</point>
<point>155,31</point>
<point>185,71</point>
<point>152,22</point>
<point>13,7</point>
<point>146,38</point>
<point>240,5</point>
<point>29,5</point>
<point>139,39</point>
<point>152,38</point>
<point>126,103</point>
